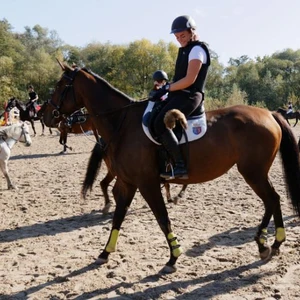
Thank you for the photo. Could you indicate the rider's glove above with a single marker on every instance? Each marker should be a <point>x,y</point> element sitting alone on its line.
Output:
<point>158,94</point>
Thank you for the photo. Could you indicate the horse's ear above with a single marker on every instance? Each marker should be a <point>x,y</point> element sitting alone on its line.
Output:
<point>61,65</point>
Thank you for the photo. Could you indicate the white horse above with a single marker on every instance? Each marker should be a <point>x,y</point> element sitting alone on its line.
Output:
<point>9,135</point>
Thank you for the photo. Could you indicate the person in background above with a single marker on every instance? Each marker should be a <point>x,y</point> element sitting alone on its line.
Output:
<point>160,78</point>
<point>290,108</point>
<point>186,92</point>
<point>33,97</point>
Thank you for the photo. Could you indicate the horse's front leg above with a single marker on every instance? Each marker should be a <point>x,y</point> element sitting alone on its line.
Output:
<point>296,122</point>
<point>43,126</point>
<point>63,142</point>
<point>123,194</point>
<point>33,128</point>
<point>4,168</point>
<point>153,196</point>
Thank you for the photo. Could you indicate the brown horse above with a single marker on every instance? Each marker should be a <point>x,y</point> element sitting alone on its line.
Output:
<point>245,136</point>
<point>292,115</point>
<point>77,123</point>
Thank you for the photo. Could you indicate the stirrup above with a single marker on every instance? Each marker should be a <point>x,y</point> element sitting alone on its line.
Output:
<point>169,175</point>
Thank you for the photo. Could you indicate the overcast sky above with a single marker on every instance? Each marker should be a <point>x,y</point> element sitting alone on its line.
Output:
<point>232,28</point>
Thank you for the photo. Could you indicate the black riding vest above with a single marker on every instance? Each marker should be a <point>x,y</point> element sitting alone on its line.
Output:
<point>182,66</point>
<point>32,95</point>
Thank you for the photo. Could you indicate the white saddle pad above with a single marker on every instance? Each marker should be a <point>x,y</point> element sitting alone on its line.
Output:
<point>196,126</point>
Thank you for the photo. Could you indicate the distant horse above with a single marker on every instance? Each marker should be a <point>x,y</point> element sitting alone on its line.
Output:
<point>292,115</point>
<point>245,136</point>
<point>25,114</point>
<point>9,135</point>
<point>76,123</point>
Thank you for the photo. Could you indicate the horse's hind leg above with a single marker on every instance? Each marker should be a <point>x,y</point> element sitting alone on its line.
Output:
<point>104,183</point>
<point>180,195</point>
<point>43,126</point>
<point>123,194</point>
<point>264,189</point>
<point>168,194</point>
<point>176,198</point>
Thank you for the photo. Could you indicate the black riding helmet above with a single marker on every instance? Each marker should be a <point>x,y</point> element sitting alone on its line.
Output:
<point>160,75</point>
<point>183,23</point>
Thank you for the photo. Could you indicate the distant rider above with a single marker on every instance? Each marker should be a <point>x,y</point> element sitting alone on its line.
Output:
<point>33,97</point>
<point>290,108</point>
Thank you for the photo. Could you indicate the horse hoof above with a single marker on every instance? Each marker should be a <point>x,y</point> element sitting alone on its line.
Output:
<point>266,254</point>
<point>168,269</point>
<point>101,261</point>
<point>275,251</point>
<point>175,200</point>
<point>106,208</point>
<point>12,187</point>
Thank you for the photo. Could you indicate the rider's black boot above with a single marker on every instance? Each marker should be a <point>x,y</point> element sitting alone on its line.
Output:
<point>169,141</point>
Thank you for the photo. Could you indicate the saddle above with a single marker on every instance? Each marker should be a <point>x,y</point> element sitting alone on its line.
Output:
<point>196,124</point>
<point>196,129</point>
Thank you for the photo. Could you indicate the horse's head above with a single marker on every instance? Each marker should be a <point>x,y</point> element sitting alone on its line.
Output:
<point>10,104</point>
<point>63,100</point>
<point>20,132</point>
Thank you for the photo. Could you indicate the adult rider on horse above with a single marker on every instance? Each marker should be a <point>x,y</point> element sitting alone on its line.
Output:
<point>290,108</point>
<point>33,97</point>
<point>186,91</point>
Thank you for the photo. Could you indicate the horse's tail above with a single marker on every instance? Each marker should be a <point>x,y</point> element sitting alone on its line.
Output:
<point>290,160</point>
<point>92,169</point>
<point>174,115</point>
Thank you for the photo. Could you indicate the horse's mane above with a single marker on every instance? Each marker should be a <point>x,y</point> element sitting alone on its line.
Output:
<point>17,101</point>
<point>102,80</point>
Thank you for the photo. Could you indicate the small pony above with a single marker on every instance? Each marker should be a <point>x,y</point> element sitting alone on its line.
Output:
<point>9,135</point>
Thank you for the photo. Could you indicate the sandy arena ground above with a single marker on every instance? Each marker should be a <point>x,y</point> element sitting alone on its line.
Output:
<point>50,237</point>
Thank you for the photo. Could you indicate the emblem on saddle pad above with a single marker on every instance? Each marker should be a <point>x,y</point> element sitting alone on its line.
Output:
<point>196,126</point>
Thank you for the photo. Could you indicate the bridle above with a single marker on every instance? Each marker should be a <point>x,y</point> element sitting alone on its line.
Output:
<point>17,140</point>
<point>69,86</point>
<point>56,111</point>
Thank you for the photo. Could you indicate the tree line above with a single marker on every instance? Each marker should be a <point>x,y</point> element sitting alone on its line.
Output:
<point>30,58</point>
